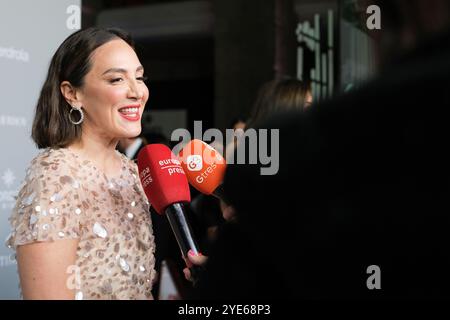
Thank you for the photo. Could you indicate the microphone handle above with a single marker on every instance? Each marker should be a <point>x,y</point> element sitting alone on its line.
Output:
<point>195,274</point>
<point>183,233</point>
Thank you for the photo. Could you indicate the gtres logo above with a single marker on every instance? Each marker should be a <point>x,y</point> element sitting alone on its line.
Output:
<point>201,178</point>
<point>194,162</point>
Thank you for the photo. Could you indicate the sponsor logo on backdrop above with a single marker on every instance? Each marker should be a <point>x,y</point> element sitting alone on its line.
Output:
<point>8,177</point>
<point>12,53</point>
<point>12,121</point>
<point>7,194</point>
<point>6,261</point>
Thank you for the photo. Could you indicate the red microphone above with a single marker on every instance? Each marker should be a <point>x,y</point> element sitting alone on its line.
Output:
<point>167,189</point>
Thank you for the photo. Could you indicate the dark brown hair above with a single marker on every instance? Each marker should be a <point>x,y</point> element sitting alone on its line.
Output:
<point>278,95</point>
<point>71,62</point>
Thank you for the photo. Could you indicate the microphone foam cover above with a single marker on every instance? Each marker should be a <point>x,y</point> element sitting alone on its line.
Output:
<point>162,177</point>
<point>204,166</point>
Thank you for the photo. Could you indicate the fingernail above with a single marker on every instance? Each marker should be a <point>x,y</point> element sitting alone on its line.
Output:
<point>191,253</point>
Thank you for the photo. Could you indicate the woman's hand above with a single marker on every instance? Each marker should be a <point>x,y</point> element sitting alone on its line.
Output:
<point>193,259</point>
<point>228,212</point>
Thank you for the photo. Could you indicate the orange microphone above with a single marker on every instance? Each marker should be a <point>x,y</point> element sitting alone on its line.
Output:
<point>204,167</point>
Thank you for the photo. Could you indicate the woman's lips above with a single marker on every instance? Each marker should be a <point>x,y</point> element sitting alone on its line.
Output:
<point>130,113</point>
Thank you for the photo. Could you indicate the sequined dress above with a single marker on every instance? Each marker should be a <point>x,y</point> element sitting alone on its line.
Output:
<point>67,197</point>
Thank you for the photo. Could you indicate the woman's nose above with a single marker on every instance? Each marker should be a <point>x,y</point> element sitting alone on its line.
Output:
<point>135,91</point>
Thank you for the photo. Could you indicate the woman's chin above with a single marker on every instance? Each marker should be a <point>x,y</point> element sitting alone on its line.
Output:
<point>131,132</point>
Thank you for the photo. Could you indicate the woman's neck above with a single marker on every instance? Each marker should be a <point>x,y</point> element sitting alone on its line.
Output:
<point>100,151</point>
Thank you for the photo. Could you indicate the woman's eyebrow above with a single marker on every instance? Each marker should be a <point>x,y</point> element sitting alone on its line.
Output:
<point>121,70</point>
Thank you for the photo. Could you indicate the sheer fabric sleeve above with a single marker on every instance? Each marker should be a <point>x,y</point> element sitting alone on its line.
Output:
<point>49,205</point>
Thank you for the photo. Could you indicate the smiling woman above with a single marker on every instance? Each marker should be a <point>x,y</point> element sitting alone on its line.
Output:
<point>81,226</point>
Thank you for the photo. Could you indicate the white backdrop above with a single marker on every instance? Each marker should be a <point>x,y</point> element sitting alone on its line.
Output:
<point>30,32</point>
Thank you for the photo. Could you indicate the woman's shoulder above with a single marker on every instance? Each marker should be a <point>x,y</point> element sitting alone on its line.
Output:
<point>50,156</point>
<point>53,165</point>
<point>53,158</point>
<point>52,168</point>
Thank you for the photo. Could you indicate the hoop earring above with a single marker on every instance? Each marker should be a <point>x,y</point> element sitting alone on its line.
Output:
<point>81,116</point>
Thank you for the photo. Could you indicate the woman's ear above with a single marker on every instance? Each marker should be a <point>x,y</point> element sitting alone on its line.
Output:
<point>70,94</point>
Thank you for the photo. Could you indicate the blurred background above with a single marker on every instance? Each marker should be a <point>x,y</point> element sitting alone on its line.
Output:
<point>205,61</point>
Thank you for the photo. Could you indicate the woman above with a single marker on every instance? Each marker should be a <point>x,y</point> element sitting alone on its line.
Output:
<point>279,96</point>
<point>81,226</point>
<point>273,97</point>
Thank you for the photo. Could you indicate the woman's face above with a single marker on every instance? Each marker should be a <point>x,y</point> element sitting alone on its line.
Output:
<point>308,99</point>
<point>114,94</point>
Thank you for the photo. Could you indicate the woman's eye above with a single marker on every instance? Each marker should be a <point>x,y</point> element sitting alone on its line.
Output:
<point>115,80</point>
<point>143,78</point>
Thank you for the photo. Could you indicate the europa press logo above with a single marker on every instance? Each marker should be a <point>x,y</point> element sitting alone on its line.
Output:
<point>194,162</point>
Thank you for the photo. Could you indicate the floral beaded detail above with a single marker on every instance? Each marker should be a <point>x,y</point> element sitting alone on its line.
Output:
<point>66,197</point>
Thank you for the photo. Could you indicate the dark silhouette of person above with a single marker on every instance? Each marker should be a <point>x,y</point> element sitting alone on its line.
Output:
<point>360,205</point>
